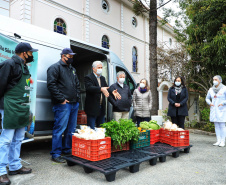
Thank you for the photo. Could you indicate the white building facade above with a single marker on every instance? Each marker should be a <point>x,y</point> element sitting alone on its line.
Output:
<point>107,23</point>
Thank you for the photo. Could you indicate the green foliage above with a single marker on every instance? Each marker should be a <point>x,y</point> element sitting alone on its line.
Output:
<point>122,131</point>
<point>209,127</point>
<point>205,114</point>
<point>164,115</point>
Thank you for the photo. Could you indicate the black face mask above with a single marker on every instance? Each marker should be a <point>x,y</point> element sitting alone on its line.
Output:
<point>69,60</point>
<point>29,59</point>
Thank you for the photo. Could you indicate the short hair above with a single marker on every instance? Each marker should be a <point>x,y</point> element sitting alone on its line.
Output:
<point>120,73</point>
<point>219,78</point>
<point>97,63</point>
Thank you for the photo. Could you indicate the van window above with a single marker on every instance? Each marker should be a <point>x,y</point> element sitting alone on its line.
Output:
<point>129,81</point>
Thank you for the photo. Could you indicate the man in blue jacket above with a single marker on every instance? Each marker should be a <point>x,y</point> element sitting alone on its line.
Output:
<point>64,87</point>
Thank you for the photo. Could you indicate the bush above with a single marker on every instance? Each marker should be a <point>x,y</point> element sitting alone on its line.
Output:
<point>209,127</point>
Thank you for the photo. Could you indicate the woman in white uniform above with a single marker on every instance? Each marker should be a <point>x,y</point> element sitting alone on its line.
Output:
<point>216,99</point>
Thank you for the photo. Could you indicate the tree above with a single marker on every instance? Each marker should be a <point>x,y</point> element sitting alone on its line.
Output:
<point>204,35</point>
<point>150,7</point>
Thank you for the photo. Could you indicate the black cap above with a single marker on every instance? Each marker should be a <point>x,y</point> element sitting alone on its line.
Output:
<point>24,47</point>
<point>67,51</point>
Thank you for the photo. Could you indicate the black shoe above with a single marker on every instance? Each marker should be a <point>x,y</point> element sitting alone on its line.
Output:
<point>22,170</point>
<point>4,180</point>
<point>59,159</point>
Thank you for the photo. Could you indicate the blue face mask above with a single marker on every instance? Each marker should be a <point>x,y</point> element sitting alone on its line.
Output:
<point>177,83</point>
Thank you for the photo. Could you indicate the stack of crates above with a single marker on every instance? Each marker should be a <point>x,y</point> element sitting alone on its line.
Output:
<point>154,136</point>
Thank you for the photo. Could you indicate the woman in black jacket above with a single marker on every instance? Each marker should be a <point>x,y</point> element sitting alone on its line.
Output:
<point>178,97</point>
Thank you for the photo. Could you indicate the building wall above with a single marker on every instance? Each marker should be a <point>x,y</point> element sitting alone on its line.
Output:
<point>4,7</point>
<point>87,21</point>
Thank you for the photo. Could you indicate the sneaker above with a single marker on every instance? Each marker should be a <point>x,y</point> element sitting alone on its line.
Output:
<point>22,170</point>
<point>59,159</point>
<point>222,144</point>
<point>217,143</point>
<point>4,180</point>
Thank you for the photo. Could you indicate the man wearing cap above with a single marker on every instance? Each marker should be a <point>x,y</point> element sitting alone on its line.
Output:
<point>14,109</point>
<point>64,87</point>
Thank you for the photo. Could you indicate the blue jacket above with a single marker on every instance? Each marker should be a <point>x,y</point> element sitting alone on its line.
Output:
<point>183,109</point>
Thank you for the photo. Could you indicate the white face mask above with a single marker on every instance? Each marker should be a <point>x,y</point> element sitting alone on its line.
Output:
<point>99,71</point>
<point>215,83</point>
<point>142,85</point>
<point>121,80</point>
<point>177,83</point>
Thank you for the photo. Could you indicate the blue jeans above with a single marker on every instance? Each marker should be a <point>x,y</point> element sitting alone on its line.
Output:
<point>65,121</point>
<point>140,119</point>
<point>99,119</point>
<point>10,146</point>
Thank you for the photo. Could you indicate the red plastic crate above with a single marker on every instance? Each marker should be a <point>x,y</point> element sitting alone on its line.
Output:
<point>125,146</point>
<point>92,150</point>
<point>81,118</point>
<point>154,136</point>
<point>175,138</point>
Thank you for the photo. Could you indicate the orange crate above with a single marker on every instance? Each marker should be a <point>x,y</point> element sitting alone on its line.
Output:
<point>175,138</point>
<point>125,146</point>
<point>154,136</point>
<point>92,150</point>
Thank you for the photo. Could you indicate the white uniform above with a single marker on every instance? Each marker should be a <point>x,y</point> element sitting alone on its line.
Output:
<point>217,114</point>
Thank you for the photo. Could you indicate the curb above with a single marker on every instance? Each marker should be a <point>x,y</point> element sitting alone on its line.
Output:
<point>195,131</point>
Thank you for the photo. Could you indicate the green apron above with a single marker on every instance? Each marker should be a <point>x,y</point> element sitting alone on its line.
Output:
<point>16,104</point>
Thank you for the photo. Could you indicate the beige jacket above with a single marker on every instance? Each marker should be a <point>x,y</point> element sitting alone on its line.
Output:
<point>142,103</point>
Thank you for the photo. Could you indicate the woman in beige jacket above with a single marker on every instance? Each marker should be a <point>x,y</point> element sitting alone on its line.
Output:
<point>142,102</point>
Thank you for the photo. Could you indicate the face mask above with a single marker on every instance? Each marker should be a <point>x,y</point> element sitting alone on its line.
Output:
<point>215,83</point>
<point>29,59</point>
<point>142,85</point>
<point>177,83</point>
<point>69,60</point>
<point>121,80</point>
<point>99,71</point>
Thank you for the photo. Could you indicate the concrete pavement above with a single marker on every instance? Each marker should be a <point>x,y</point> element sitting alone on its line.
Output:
<point>205,164</point>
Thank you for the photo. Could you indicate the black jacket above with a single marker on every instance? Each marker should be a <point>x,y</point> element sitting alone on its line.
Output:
<point>124,104</point>
<point>182,110</point>
<point>10,74</point>
<point>63,83</point>
<point>93,94</point>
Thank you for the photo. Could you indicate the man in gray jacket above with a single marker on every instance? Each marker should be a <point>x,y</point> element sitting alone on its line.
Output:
<point>120,107</point>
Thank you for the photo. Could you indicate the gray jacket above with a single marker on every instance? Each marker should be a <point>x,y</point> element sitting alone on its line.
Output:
<point>142,103</point>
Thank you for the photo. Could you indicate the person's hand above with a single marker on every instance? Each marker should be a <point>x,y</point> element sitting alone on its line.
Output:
<point>177,105</point>
<point>116,94</point>
<point>211,105</point>
<point>65,101</point>
<point>220,105</point>
<point>104,90</point>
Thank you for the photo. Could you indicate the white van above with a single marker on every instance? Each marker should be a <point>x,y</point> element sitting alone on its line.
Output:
<point>50,45</point>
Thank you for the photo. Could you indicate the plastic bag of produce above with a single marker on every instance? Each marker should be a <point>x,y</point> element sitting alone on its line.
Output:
<point>173,127</point>
<point>167,125</point>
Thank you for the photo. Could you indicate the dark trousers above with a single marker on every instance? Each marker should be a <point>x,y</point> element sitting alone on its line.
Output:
<point>179,121</point>
<point>140,119</point>
<point>99,119</point>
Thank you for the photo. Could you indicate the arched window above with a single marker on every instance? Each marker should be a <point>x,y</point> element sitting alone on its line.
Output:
<point>105,6</point>
<point>105,42</point>
<point>134,58</point>
<point>170,41</point>
<point>134,22</point>
<point>60,26</point>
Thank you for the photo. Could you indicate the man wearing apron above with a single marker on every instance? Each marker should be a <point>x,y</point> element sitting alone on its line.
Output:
<point>14,108</point>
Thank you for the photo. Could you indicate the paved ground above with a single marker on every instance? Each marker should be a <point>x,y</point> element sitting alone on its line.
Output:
<point>205,164</point>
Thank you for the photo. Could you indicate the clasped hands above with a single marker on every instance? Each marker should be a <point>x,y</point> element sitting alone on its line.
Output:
<point>218,105</point>
<point>177,104</point>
